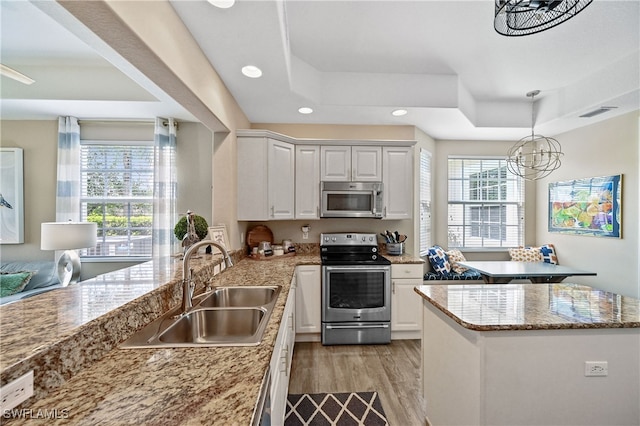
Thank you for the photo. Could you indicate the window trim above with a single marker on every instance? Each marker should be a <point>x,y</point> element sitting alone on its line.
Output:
<point>85,199</point>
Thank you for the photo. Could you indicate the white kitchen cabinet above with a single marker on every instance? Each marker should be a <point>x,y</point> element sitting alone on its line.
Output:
<point>406,305</point>
<point>397,181</point>
<point>266,172</point>
<point>307,182</point>
<point>351,163</point>
<point>308,300</point>
<point>281,360</point>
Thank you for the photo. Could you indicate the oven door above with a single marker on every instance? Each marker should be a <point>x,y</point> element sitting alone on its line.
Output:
<point>356,293</point>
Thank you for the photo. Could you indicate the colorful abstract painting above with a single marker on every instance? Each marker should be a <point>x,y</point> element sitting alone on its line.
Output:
<point>588,206</point>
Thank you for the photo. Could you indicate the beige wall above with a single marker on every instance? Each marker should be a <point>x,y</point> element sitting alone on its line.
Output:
<point>38,139</point>
<point>607,148</point>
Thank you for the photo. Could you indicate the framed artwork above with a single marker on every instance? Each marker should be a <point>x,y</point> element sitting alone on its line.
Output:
<point>588,206</point>
<point>11,196</point>
<point>218,234</point>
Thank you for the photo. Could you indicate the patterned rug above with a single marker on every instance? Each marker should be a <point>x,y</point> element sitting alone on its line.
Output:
<point>339,409</point>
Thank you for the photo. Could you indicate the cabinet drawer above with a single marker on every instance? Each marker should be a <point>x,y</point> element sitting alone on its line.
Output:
<point>407,270</point>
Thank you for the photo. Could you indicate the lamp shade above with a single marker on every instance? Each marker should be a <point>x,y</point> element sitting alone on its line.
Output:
<point>68,235</point>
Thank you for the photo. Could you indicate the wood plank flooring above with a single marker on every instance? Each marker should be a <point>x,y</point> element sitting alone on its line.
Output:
<point>391,370</point>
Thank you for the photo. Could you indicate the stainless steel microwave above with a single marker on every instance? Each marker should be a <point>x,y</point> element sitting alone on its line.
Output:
<point>351,199</point>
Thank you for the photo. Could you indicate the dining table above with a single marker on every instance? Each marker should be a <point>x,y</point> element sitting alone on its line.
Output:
<point>504,271</point>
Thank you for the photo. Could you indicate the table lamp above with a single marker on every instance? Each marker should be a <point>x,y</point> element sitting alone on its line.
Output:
<point>68,236</point>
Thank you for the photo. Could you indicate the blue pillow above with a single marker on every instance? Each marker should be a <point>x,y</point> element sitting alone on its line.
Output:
<point>439,260</point>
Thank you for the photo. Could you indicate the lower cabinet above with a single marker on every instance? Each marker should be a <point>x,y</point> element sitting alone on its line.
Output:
<point>281,359</point>
<point>406,304</point>
<point>308,303</point>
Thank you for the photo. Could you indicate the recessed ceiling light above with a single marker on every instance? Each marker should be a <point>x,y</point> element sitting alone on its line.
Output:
<point>222,4</point>
<point>305,110</point>
<point>252,71</point>
<point>399,112</point>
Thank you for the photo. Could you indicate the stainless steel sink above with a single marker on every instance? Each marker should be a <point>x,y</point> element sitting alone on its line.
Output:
<point>239,296</point>
<point>232,325</point>
<point>226,316</point>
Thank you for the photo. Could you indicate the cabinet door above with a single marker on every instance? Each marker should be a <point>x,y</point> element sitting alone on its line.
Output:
<point>281,179</point>
<point>281,361</point>
<point>366,163</point>
<point>253,190</point>
<point>335,163</point>
<point>397,179</point>
<point>308,304</point>
<point>307,182</point>
<point>406,305</point>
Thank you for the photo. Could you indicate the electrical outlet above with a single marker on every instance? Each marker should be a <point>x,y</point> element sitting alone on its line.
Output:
<point>596,368</point>
<point>16,392</point>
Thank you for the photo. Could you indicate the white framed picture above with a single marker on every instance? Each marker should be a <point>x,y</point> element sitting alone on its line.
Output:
<point>11,196</point>
<point>218,233</point>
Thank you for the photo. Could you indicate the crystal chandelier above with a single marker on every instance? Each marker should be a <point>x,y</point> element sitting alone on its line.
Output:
<point>535,156</point>
<point>524,17</point>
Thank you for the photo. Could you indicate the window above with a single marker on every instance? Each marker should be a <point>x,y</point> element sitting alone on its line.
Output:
<point>425,201</point>
<point>486,204</point>
<point>117,194</point>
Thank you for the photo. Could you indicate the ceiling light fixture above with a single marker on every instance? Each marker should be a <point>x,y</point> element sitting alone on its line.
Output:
<point>15,75</point>
<point>222,4</point>
<point>399,112</point>
<point>534,157</point>
<point>252,71</point>
<point>524,17</point>
<point>305,110</point>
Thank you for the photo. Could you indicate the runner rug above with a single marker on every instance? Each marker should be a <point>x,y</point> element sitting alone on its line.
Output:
<point>339,409</point>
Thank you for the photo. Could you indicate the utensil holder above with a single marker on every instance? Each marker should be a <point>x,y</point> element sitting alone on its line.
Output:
<point>395,249</point>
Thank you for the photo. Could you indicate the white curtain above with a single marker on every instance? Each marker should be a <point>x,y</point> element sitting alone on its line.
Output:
<point>164,187</point>
<point>68,181</point>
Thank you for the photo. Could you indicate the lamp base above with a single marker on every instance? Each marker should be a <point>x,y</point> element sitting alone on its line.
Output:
<point>69,268</point>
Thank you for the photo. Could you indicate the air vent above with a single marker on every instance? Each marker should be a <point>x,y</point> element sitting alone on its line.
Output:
<point>598,111</point>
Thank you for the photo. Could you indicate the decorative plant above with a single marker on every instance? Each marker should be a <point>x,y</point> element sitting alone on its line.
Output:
<point>200,223</point>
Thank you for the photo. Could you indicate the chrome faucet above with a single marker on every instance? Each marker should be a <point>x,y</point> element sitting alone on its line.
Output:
<point>187,285</point>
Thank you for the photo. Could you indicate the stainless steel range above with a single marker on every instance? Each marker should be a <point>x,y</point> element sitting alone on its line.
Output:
<point>356,290</point>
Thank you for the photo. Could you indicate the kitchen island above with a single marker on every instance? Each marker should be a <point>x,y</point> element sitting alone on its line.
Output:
<point>515,354</point>
<point>70,338</point>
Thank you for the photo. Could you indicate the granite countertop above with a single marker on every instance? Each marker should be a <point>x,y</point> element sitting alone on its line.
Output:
<point>403,258</point>
<point>487,307</point>
<point>70,337</point>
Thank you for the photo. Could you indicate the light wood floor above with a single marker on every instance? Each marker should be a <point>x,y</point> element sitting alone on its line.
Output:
<point>391,370</point>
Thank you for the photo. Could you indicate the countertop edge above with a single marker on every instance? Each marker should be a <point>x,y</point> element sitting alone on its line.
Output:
<point>524,327</point>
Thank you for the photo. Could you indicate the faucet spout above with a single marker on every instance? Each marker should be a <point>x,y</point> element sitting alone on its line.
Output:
<point>187,285</point>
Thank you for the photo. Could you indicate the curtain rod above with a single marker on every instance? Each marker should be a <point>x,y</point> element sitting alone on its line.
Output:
<point>113,121</point>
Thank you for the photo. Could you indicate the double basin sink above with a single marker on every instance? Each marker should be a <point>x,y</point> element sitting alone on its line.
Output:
<point>226,316</point>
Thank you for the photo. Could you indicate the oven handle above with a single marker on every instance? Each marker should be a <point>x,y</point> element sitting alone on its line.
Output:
<point>356,267</point>
<point>337,327</point>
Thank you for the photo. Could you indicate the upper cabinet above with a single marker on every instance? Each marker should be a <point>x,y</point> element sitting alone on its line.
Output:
<point>351,163</point>
<point>397,182</point>
<point>265,179</point>
<point>307,181</point>
<point>279,176</point>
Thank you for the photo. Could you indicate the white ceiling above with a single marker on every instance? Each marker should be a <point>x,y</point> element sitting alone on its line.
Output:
<point>353,62</point>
